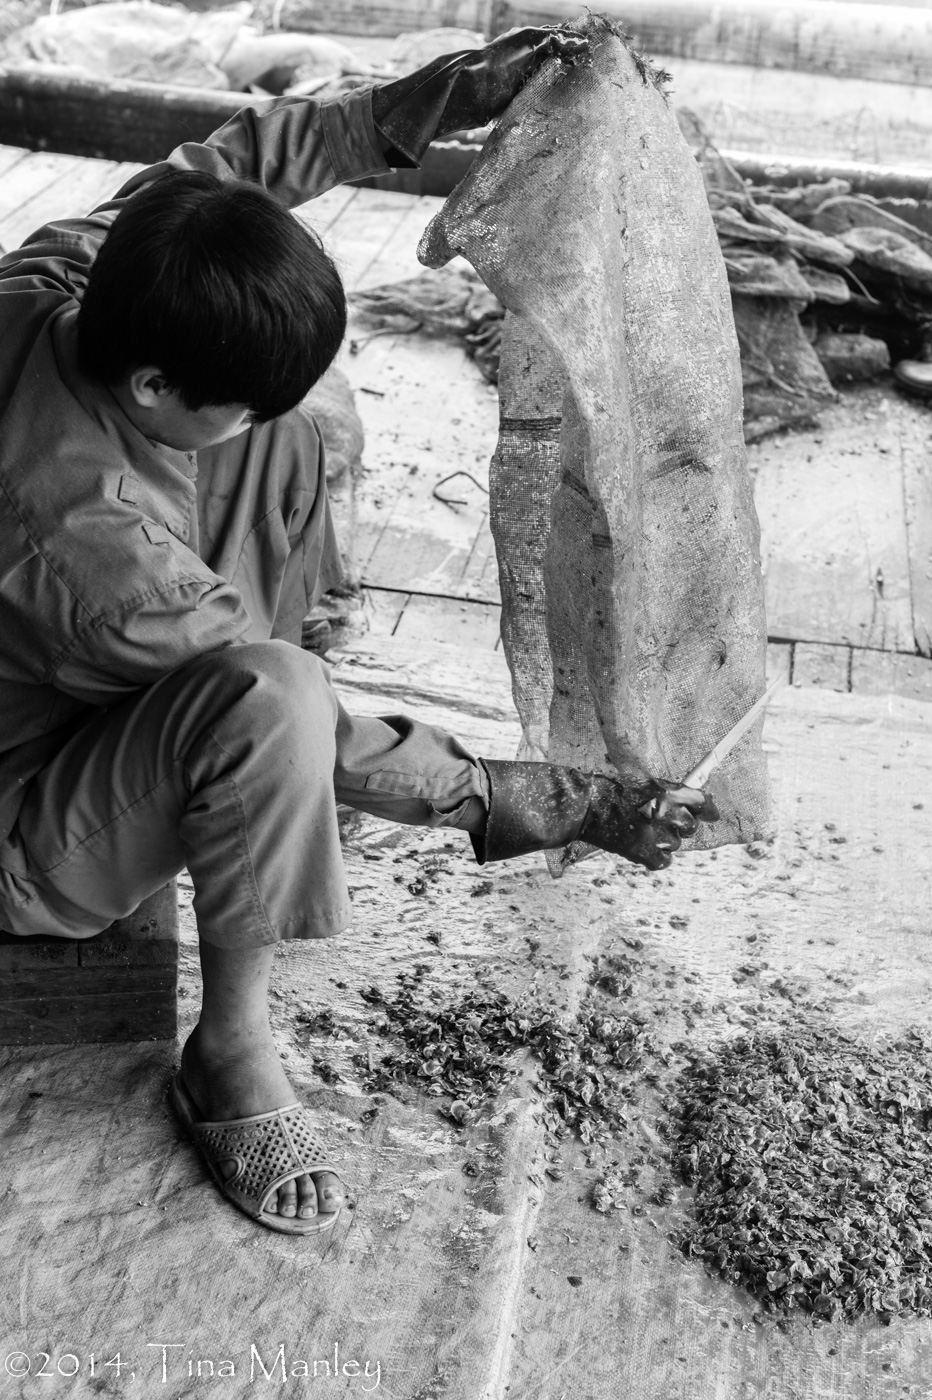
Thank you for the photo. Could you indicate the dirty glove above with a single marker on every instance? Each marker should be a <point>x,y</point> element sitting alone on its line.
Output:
<point>541,806</point>
<point>464,89</point>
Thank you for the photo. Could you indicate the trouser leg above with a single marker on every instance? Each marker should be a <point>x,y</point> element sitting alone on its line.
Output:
<point>233,764</point>
<point>226,766</point>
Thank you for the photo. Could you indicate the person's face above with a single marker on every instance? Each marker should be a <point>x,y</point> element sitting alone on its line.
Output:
<point>163,417</point>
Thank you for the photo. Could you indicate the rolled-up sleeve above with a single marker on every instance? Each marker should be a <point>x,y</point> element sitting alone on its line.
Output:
<point>405,771</point>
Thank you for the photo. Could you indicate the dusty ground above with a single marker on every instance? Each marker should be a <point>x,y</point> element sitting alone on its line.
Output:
<point>472,1263</point>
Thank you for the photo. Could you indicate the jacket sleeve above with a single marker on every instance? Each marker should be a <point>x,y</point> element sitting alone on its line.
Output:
<point>144,639</point>
<point>293,146</point>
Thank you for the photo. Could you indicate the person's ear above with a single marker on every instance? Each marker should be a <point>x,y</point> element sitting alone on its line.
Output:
<point>148,387</point>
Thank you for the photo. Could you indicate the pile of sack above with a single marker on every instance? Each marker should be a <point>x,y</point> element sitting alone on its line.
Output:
<point>825,285</point>
<point>218,49</point>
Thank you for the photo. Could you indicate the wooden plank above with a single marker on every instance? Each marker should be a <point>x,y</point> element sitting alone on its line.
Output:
<point>355,242</point>
<point>449,622</point>
<point>882,43</point>
<point>30,176</point>
<point>72,984</point>
<point>322,212</point>
<point>29,953</point>
<point>431,415</point>
<point>916,460</point>
<point>880,673</point>
<point>382,610</point>
<point>397,260</point>
<point>821,665</point>
<point>834,546</point>
<point>415,548</point>
<point>115,951</point>
<point>118,985</point>
<point>139,1013</point>
<point>79,187</point>
<point>779,660</point>
<point>10,156</point>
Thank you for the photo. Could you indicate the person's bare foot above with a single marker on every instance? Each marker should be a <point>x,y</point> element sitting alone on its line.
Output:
<point>242,1077</point>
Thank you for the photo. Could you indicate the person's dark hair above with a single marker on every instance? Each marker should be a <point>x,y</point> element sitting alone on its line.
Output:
<point>220,287</point>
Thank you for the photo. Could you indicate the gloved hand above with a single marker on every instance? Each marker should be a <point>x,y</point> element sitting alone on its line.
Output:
<point>542,806</point>
<point>645,823</point>
<point>465,89</point>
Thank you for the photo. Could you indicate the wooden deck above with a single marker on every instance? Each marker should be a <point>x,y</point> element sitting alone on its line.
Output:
<point>846,509</point>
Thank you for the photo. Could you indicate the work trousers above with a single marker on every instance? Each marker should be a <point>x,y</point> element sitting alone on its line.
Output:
<point>233,764</point>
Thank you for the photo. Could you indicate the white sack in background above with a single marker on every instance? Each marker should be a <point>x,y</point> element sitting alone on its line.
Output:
<point>149,43</point>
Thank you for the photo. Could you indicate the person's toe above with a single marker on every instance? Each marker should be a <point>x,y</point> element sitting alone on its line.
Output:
<point>307,1198</point>
<point>288,1199</point>
<point>329,1192</point>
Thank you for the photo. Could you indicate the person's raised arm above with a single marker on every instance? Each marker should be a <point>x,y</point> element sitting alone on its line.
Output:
<point>295,147</point>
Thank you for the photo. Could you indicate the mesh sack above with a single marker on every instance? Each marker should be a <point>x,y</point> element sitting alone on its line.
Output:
<point>784,381</point>
<point>628,545</point>
<point>766,253</point>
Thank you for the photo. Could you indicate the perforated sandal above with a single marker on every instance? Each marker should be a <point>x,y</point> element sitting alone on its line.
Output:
<point>269,1149</point>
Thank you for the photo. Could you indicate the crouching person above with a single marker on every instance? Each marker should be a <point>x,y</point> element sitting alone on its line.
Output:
<point>164,528</point>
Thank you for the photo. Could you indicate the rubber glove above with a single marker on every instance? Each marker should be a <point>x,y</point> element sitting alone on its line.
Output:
<point>465,89</point>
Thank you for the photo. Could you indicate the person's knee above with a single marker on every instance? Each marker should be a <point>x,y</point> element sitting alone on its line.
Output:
<point>279,670</point>
<point>269,681</point>
<point>267,705</point>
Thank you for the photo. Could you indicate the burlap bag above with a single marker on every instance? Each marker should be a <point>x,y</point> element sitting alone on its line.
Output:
<point>632,598</point>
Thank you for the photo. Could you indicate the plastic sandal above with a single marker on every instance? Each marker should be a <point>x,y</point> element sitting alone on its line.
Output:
<point>269,1149</point>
